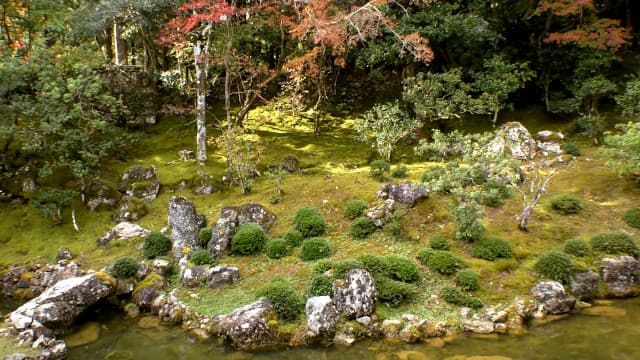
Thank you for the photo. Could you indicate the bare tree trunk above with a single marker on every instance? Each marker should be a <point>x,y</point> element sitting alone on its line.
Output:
<point>119,45</point>
<point>201,104</point>
<point>531,191</point>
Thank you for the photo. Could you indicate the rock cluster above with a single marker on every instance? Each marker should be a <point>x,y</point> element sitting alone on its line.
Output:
<point>214,277</point>
<point>32,280</point>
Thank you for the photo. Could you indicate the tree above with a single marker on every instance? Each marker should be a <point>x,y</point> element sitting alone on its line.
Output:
<point>243,153</point>
<point>629,100</point>
<point>624,148</point>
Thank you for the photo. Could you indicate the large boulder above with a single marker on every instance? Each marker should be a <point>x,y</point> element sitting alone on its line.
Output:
<point>407,193</point>
<point>184,224</point>
<point>230,218</point>
<point>513,139</point>
<point>193,276</point>
<point>584,284</point>
<point>355,295</point>
<point>124,230</point>
<point>247,328</point>
<point>619,275</point>
<point>220,275</point>
<point>141,182</point>
<point>552,297</point>
<point>321,315</point>
<point>254,213</point>
<point>58,306</point>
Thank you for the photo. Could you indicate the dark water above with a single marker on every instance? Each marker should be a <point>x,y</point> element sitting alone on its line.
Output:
<point>577,337</point>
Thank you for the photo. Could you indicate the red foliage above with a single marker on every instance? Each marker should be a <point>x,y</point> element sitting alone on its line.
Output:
<point>602,34</point>
<point>563,7</point>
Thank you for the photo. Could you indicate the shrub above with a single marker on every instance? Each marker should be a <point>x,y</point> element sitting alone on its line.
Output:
<point>249,239</point>
<point>393,292</point>
<point>401,268</point>
<point>322,266</point>
<point>293,238</point>
<point>374,264</point>
<point>319,285</point>
<point>355,209</point>
<point>204,236</point>
<point>616,242</point>
<point>276,249</point>
<point>571,148</point>
<point>492,248</point>
<point>286,301</point>
<point>125,267</point>
<point>498,187</point>
<point>468,280</point>
<point>555,266</point>
<point>156,244</point>
<point>343,267</point>
<point>309,222</point>
<point>201,257</point>
<point>441,261</point>
<point>468,216</point>
<point>576,247</point>
<point>439,243</point>
<point>490,199</point>
<point>362,227</point>
<point>566,204</point>
<point>434,173</point>
<point>456,297</point>
<point>399,171</point>
<point>315,248</point>
<point>305,212</point>
<point>378,169</point>
<point>632,217</point>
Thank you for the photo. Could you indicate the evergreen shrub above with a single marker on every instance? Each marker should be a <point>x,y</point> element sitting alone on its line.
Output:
<point>293,238</point>
<point>468,280</point>
<point>571,148</point>
<point>576,247</point>
<point>566,204</point>
<point>342,267</point>
<point>362,227</point>
<point>355,209</point>
<point>491,249</point>
<point>556,266</point>
<point>125,267</point>
<point>441,261</point>
<point>156,244</point>
<point>399,171</point>
<point>378,169</point>
<point>402,268</point>
<point>286,301</point>
<point>201,257</point>
<point>439,243</point>
<point>319,285</point>
<point>315,248</point>
<point>276,249</point>
<point>204,236</point>
<point>248,240</point>
<point>393,292</point>
<point>454,296</point>
<point>374,264</point>
<point>632,217</point>
<point>309,222</point>
<point>615,242</point>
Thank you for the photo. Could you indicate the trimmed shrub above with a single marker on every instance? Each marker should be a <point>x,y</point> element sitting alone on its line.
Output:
<point>125,267</point>
<point>309,222</point>
<point>315,248</point>
<point>362,227</point>
<point>305,212</point>
<point>576,247</point>
<point>319,285</point>
<point>341,268</point>
<point>468,280</point>
<point>355,209</point>
<point>556,266</point>
<point>276,249</point>
<point>201,257</point>
<point>566,204</point>
<point>439,243</point>
<point>322,266</point>
<point>455,297</point>
<point>393,292</point>
<point>248,240</point>
<point>374,264</point>
<point>204,236</point>
<point>286,301</point>
<point>632,217</point>
<point>571,148</point>
<point>293,238</point>
<point>400,171</point>
<point>156,244</point>
<point>491,249</point>
<point>401,268</point>
<point>616,242</point>
<point>378,169</point>
<point>441,261</point>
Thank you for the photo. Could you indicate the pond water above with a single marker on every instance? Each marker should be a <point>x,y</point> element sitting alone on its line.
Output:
<point>613,336</point>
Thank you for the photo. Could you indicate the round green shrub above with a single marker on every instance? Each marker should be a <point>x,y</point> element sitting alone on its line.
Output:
<point>309,222</point>
<point>156,244</point>
<point>286,301</point>
<point>566,204</point>
<point>125,267</point>
<point>615,242</point>
<point>304,212</point>
<point>293,238</point>
<point>576,247</point>
<point>315,248</point>
<point>441,261</point>
<point>399,171</point>
<point>204,236</point>
<point>374,264</point>
<point>201,257</point>
<point>402,269</point>
<point>355,209</point>
<point>571,148</point>
<point>362,227</point>
<point>319,285</point>
<point>322,266</point>
<point>276,249</point>
<point>248,240</point>
<point>632,217</point>
<point>455,297</point>
<point>491,249</point>
<point>468,280</point>
<point>342,267</point>
<point>378,169</point>
<point>556,266</point>
<point>393,292</point>
<point>439,243</point>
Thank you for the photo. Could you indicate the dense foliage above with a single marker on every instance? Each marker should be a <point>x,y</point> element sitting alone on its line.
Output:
<point>287,303</point>
<point>125,267</point>
<point>615,242</point>
<point>355,209</point>
<point>308,222</point>
<point>566,204</point>
<point>156,244</point>
<point>632,217</point>
<point>491,249</point>
<point>555,266</point>
<point>441,261</point>
<point>201,257</point>
<point>362,227</point>
<point>248,240</point>
<point>277,248</point>
<point>576,247</point>
<point>315,248</point>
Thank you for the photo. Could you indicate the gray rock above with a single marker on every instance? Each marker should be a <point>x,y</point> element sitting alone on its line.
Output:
<point>148,290</point>
<point>545,134</point>
<point>343,339</point>
<point>124,230</point>
<point>64,254</point>
<point>254,213</point>
<point>584,284</point>
<point>101,196</point>
<point>619,275</point>
<point>381,214</point>
<point>160,266</point>
<point>222,275</point>
<point>321,315</point>
<point>391,328</point>
<point>129,209</point>
<point>247,327</point>
<point>478,326</point>
<point>549,147</point>
<point>201,221</point>
<point>553,298</point>
<point>515,140</point>
<point>290,164</point>
<point>222,232</point>
<point>355,295</point>
<point>183,222</point>
<point>407,193</point>
<point>170,310</point>
<point>141,182</point>
<point>194,276</point>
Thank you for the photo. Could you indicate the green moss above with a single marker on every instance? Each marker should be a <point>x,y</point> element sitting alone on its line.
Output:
<point>152,280</point>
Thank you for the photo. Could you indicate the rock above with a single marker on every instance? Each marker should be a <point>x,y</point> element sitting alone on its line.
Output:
<point>391,328</point>
<point>129,209</point>
<point>161,266</point>
<point>407,193</point>
<point>222,232</point>
<point>553,297</point>
<point>515,140</point>
<point>221,275</point>
<point>364,320</point>
<point>619,275</point>
<point>549,147</point>
<point>28,185</point>
<point>124,230</point>
<point>64,254</point>
<point>321,315</point>
<point>545,134</point>
<point>199,334</point>
<point>381,214</point>
<point>88,333</point>
<point>146,292</point>
<point>170,310</point>
<point>58,306</point>
<point>290,164</point>
<point>343,339</point>
<point>584,284</point>
<point>141,182</point>
<point>193,276</point>
<point>247,327</point>
<point>185,155</point>
<point>609,311</point>
<point>101,196</point>
<point>124,286</point>
<point>355,295</point>
<point>479,326</point>
<point>201,221</point>
<point>254,213</point>
<point>183,222</point>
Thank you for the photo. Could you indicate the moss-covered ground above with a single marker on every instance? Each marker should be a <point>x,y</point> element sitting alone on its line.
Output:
<point>335,171</point>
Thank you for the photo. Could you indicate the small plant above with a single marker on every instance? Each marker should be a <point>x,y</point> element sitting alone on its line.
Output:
<point>402,268</point>
<point>490,198</point>
<point>362,227</point>
<point>632,217</point>
<point>156,244</point>
<point>319,285</point>
<point>378,169</point>
<point>571,148</point>
<point>491,249</point>
<point>555,266</point>
<point>293,238</point>
<point>286,301</point>
<point>566,204</point>
<point>616,242</point>
<point>276,249</point>
<point>441,261</point>
<point>498,187</point>
<point>201,257</point>
<point>456,297</point>
<point>468,280</point>
<point>125,267</point>
<point>248,240</point>
<point>591,126</point>
<point>204,236</point>
<point>393,292</point>
<point>355,209</point>
<point>576,247</point>
<point>400,171</point>
<point>439,243</point>
<point>468,215</point>
<point>309,222</point>
<point>315,248</point>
